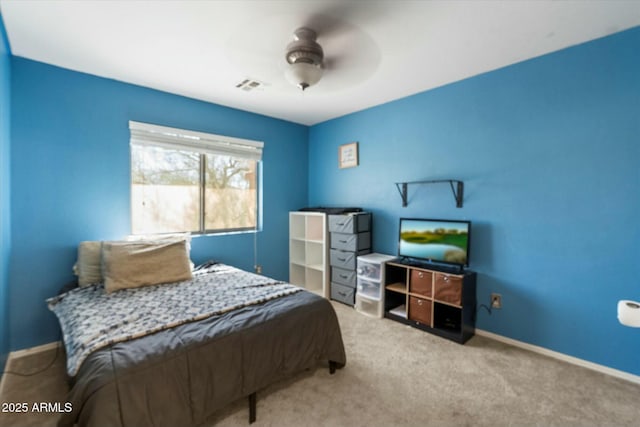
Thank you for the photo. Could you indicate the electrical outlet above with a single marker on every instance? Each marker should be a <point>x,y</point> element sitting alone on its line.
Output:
<point>258,269</point>
<point>496,301</point>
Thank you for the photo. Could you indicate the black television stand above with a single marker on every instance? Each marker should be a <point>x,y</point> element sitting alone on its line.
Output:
<point>424,296</point>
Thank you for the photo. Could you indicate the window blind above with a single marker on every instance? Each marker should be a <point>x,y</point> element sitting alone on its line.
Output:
<point>181,139</point>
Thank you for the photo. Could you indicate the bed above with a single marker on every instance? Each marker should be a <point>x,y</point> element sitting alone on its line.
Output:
<point>183,372</point>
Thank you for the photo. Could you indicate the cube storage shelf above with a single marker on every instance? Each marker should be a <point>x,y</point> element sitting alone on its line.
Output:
<point>308,251</point>
<point>437,302</point>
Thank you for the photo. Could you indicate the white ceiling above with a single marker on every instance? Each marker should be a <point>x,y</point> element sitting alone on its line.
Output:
<point>376,51</point>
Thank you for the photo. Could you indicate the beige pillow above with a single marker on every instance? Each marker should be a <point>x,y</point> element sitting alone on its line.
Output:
<point>134,264</point>
<point>89,265</point>
<point>165,238</point>
<point>162,238</point>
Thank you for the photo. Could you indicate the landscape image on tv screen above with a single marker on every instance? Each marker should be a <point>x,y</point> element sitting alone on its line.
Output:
<point>434,240</point>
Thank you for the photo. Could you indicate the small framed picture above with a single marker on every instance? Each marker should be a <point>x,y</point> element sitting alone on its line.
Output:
<point>348,155</point>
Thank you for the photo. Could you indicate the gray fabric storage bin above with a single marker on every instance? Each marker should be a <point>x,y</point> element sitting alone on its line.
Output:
<point>351,242</point>
<point>344,277</point>
<point>350,223</point>
<point>344,259</point>
<point>343,293</point>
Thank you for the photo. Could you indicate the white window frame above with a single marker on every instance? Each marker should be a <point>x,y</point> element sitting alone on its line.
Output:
<point>146,134</point>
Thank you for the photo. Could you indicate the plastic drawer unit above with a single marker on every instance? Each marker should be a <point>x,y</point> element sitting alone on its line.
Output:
<point>370,280</point>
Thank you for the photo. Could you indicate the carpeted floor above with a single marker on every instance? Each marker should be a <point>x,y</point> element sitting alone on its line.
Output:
<point>400,376</point>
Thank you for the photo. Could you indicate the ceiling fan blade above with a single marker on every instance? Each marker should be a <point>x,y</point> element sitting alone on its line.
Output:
<point>332,19</point>
<point>326,26</point>
<point>333,62</point>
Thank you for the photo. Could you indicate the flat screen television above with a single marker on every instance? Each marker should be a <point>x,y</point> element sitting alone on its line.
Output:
<point>435,240</point>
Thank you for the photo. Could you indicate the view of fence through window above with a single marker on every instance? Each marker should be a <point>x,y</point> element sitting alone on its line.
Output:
<point>166,191</point>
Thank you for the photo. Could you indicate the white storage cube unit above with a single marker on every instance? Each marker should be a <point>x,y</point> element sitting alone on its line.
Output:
<point>308,251</point>
<point>370,277</point>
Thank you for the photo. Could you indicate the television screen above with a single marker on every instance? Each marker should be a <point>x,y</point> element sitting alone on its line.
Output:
<point>435,240</point>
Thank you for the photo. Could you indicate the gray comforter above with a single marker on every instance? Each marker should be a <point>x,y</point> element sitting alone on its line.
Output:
<point>181,376</point>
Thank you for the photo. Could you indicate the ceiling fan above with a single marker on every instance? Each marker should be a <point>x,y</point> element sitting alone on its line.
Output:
<point>346,57</point>
<point>328,48</point>
<point>304,56</point>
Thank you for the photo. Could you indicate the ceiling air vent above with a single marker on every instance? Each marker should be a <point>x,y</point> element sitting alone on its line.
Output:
<point>250,84</point>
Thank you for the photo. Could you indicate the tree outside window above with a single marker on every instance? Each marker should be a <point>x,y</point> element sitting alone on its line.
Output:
<point>174,190</point>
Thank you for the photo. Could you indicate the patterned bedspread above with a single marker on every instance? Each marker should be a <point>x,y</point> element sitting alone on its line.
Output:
<point>92,319</point>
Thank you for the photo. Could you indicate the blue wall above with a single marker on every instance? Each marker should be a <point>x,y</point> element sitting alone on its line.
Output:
<point>5,191</point>
<point>549,150</point>
<point>71,177</point>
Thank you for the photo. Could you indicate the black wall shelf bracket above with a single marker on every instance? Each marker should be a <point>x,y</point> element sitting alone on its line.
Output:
<point>457,190</point>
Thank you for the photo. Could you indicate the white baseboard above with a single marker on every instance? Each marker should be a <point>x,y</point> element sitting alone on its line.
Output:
<point>561,356</point>
<point>26,352</point>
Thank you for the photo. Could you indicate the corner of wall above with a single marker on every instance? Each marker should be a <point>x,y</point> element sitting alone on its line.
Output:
<point>5,188</point>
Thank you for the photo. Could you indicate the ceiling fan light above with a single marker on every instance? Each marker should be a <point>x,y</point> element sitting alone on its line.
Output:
<point>303,74</point>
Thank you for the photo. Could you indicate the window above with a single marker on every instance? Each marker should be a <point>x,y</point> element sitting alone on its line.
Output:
<point>183,180</point>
